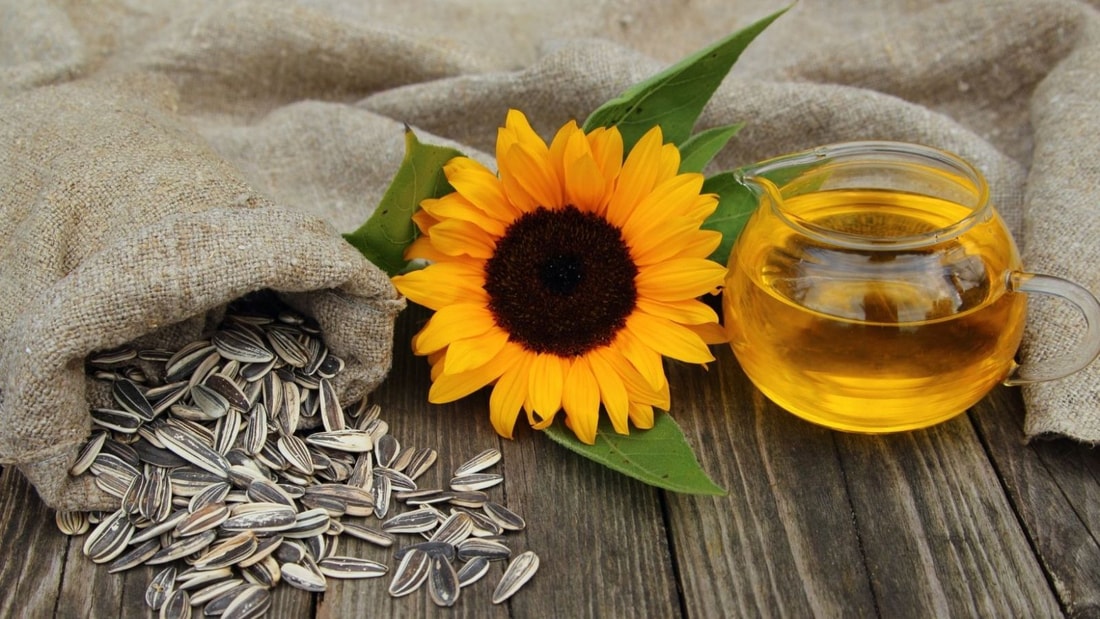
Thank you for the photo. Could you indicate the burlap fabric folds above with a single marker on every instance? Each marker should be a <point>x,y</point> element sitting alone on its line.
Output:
<point>157,162</point>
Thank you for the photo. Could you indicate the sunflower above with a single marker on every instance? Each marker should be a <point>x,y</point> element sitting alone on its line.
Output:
<point>565,278</point>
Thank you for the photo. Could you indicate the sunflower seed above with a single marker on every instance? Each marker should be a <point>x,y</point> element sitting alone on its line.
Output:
<point>206,367</point>
<point>296,453</point>
<point>369,534</point>
<point>109,538</point>
<point>456,528</point>
<point>226,430</point>
<point>411,572</point>
<point>262,517</point>
<point>478,463</point>
<point>114,356</point>
<point>265,546</point>
<point>256,433</point>
<point>518,572</point>
<point>506,518</point>
<point>72,523</point>
<point>158,456</point>
<point>287,347</point>
<point>472,571</point>
<point>203,519</point>
<point>350,441</point>
<point>351,567</point>
<point>192,449</point>
<point>177,606</point>
<point>214,493</point>
<point>228,552</point>
<point>362,474</point>
<point>332,415</point>
<point>266,491</point>
<point>443,582</point>
<point>301,577</point>
<point>330,366</point>
<point>120,421</point>
<point>382,493</point>
<point>156,529</point>
<point>308,524</point>
<point>265,572</point>
<point>88,453</point>
<point>212,404</point>
<point>229,390</point>
<point>156,500</point>
<point>484,526</point>
<point>255,372</point>
<point>182,547</point>
<point>472,547</point>
<point>415,521</point>
<point>131,399</point>
<point>386,450</point>
<point>185,360</point>
<point>134,557</point>
<point>475,481</point>
<point>399,482</point>
<point>191,579</point>
<point>162,585</point>
<point>241,345</point>
<point>247,603</point>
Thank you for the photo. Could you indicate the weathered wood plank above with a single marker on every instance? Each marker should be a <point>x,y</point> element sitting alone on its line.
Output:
<point>936,528</point>
<point>783,542</point>
<point>1055,488</point>
<point>30,574</point>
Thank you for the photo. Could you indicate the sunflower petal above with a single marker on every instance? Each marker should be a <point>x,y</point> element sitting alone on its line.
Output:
<point>641,415</point>
<point>532,172</point>
<point>687,312</point>
<point>547,377</point>
<point>607,150</point>
<point>581,400</point>
<point>458,238</point>
<point>451,387</point>
<point>508,397</point>
<point>646,360</point>
<point>482,188</point>
<point>613,393</point>
<point>473,352</point>
<point>450,323</point>
<point>455,206</point>
<point>637,177</point>
<point>668,338</point>
<point>680,278</point>
<point>444,283</point>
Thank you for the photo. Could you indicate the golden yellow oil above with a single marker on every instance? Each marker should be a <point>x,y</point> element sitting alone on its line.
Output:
<point>873,340</point>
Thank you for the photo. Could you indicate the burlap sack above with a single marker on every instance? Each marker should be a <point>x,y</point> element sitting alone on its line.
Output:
<point>120,224</point>
<point>158,161</point>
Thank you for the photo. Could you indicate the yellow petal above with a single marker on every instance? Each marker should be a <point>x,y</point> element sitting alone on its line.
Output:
<point>473,352</point>
<point>532,172</point>
<point>607,150</point>
<point>457,238</point>
<point>613,392</point>
<point>646,360</point>
<point>710,333</point>
<point>508,397</point>
<point>637,177</point>
<point>585,186</point>
<point>668,338</point>
<point>679,278</point>
<point>482,188</point>
<point>557,146</point>
<point>668,200</point>
<point>641,415</point>
<point>547,378</point>
<point>581,400</point>
<point>450,323</point>
<point>444,283</point>
<point>451,387</point>
<point>638,389</point>
<point>454,206</point>
<point>685,312</point>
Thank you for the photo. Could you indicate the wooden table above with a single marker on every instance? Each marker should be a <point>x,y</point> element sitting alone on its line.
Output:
<point>963,519</point>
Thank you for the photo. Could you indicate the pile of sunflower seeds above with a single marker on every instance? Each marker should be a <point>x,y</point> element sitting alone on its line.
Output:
<point>237,468</point>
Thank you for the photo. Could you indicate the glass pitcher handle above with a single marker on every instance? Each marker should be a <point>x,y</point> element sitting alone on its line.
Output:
<point>1085,351</point>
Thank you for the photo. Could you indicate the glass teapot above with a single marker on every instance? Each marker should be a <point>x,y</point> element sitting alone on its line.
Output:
<point>876,289</point>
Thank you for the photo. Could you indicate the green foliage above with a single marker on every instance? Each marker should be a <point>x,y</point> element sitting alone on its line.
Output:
<point>659,456</point>
<point>736,202</point>
<point>390,229</point>
<point>697,151</point>
<point>675,97</point>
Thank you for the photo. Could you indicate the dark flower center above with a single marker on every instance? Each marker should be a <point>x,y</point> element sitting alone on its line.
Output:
<point>561,281</point>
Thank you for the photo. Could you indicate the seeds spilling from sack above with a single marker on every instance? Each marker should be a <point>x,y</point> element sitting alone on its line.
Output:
<point>238,468</point>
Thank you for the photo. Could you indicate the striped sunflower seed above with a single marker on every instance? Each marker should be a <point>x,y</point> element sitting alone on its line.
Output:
<point>250,602</point>
<point>162,586</point>
<point>343,567</point>
<point>472,571</point>
<point>177,606</point>
<point>301,577</point>
<point>443,584</point>
<point>109,538</point>
<point>72,522</point>
<point>519,571</point>
<point>241,345</point>
<point>411,572</point>
<point>478,463</point>
<point>132,400</point>
<point>194,450</point>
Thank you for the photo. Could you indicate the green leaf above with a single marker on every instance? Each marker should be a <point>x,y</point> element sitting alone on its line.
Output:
<point>659,456</point>
<point>675,97</point>
<point>700,148</point>
<point>736,202</point>
<point>390,229</point>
